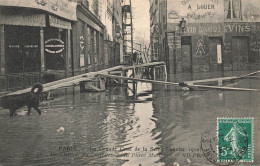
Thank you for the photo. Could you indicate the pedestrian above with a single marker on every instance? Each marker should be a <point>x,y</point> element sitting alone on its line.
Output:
<point>134,58</point>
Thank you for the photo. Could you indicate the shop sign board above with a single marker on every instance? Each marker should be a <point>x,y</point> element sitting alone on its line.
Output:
<point>54,46</point>
<point>62,8</point>
<point>227,27</point>
<point>219,54</point>
<point>59,23</point>
<point>25,20</point>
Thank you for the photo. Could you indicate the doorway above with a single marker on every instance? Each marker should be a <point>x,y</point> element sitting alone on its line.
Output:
<point>186,54</point>
<point>22,45</point>
<point>240,53</point>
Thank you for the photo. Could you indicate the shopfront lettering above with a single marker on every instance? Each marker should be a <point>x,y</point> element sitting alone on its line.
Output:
<point>54,46</point>
<point>31,46</point>
<point>205,6</point>
<point>196,16</point>
<point>41,2</point>
<point>59,23</point>
<point>81,43</point>
<point>215,1</point>
<point>65,9</point>
<point>220,28</point>
<point>31,20</point>
<point>13,46</point>
<point>237,28</point>
<point>184,2</point>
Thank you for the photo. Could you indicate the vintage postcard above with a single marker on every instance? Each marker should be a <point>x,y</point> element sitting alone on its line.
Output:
<point>129,82</point>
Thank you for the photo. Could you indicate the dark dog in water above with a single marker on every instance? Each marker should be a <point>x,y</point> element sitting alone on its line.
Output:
<point>29,99</point>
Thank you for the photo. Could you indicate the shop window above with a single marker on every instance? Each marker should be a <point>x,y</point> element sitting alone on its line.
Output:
<point>22,49</point>
<point>55,48</point>
<point>232,9</point>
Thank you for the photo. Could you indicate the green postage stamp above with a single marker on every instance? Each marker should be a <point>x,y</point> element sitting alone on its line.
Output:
<point>235,139</point>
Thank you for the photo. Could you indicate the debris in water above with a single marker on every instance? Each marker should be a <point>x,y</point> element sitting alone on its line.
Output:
<point>61,130</point>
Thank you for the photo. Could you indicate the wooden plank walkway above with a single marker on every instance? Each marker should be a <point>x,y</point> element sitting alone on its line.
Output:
<point>75,80</point>
<point>177,84</point>
<point>144,65</point>
<point>68,81</point>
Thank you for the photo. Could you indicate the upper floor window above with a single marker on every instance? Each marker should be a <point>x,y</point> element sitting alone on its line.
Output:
<point>232,9</point>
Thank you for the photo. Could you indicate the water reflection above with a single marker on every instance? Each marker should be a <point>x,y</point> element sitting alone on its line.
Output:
<point>155,126</point>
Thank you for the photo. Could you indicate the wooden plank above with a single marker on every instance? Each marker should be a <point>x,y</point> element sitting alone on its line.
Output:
<point>222,78</point>
<point>211,80</point>
<point>177,84</point>
<point>68,81</point>
<point>222,88</point>
<point>76,79</point>
<point>252,77</point>
<point>145,65</point>
<point>250,74</point>
<point>93,87</point>
<point>138,79</point>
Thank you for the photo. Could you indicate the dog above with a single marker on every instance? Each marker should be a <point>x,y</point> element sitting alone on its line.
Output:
<point>29,99</point>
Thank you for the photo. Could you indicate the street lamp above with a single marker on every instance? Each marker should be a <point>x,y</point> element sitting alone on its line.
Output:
<point>183,25</point>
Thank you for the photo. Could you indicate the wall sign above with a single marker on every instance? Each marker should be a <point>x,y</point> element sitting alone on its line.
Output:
<point>219,55</point>
<point>32,19</point>
<point>195,10</point>
<point>63,8</point>
<point>59,23</point>
<point>81,43</point>
<point>82,55</point>
<point>54,46</point>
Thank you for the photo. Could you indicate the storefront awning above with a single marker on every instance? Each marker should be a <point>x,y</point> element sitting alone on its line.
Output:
<point>62,8</point>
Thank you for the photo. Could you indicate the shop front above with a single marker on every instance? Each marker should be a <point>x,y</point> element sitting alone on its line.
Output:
<point>34,42</point>
<point>88,42</point>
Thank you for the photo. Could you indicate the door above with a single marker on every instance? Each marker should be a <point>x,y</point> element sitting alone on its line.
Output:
<point>22,55</point>
<point>186,54</point>
<point>240,53</point>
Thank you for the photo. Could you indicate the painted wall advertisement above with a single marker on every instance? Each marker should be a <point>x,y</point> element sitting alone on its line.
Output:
<point>212,10</point>
<point>195,10</point>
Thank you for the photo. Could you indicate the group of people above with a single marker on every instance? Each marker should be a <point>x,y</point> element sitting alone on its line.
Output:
<point>136,59</point>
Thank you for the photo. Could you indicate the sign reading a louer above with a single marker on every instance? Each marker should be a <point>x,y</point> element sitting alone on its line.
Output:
<point>195,10</point>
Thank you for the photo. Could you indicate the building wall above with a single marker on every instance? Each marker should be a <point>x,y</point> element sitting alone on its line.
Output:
<point>216,37</point>
<point>33,36</point>
<point>195,11</point>
<point>154,29</point>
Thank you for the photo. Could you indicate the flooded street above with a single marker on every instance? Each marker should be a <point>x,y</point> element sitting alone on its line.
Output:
<point>157,126</point>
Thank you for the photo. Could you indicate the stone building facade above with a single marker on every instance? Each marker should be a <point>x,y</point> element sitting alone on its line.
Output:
<point>47,40</point>
<point>219,35</point>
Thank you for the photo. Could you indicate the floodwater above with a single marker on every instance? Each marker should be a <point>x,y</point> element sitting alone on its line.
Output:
<point>156,126</point>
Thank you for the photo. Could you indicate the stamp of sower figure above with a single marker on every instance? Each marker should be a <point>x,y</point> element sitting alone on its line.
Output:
<point>235,139</point>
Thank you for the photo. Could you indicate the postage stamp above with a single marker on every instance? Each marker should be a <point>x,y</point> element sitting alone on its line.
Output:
<point>235,139</point>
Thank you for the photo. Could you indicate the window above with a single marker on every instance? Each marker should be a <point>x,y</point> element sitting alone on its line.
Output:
<point>232,9</point>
